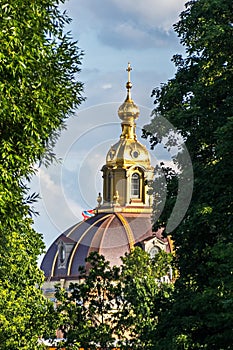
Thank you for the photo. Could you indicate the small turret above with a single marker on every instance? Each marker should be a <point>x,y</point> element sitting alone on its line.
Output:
<point>128,165</point>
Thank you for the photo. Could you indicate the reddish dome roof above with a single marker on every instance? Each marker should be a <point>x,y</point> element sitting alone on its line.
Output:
<point>110,234</point>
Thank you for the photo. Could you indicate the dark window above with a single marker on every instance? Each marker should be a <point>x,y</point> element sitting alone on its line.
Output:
<point>135,185</point>
<point>109,188</point>
<point>62,254</point>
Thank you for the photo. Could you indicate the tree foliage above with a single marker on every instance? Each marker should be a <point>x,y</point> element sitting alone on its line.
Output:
<point>38,91</point>
<point>145,289</point>
<point>198,102</point>
<point>115,305</point>
<point>89,308</point>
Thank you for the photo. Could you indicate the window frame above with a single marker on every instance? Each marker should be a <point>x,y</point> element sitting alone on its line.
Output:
<point>135,186</point>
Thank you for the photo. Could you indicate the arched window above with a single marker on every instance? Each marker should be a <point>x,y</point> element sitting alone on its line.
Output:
<point>62,253</point>
<point>135,186</point>
<point>109,186</point>
<point>153,251</point>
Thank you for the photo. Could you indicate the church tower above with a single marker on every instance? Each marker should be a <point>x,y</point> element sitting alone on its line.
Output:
<point>122,218</point>
<point>128,169</point>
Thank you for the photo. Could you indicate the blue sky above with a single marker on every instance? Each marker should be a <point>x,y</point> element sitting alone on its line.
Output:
<point>111,33</point>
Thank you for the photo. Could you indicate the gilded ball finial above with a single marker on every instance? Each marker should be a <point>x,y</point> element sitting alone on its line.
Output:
<point>128,111</point>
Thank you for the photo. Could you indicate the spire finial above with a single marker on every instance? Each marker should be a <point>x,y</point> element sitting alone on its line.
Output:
<point>129,70</point>
<point>128,84</point>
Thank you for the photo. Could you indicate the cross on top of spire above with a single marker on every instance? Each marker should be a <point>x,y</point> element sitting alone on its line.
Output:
<point>129,68</point>
<point>128,84</point>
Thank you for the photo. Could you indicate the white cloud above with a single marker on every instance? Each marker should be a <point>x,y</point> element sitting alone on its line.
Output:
<point>75,208</point>
<point>47,182</point>
<point>55,201</point>
<point>113,20</point>
<point>153,13</point>
<point>107,86</point>
<point>128,35</point>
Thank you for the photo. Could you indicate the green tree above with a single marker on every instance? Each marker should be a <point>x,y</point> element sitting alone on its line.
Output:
<point>38,91</point>
<point>144,291</point>
<point>112,304</point>
<point>198,102</point>
<point>89,308</point>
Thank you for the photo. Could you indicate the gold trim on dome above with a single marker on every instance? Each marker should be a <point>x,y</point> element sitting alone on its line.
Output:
<point>78,242</point>
<point>56,255</point>
<point>134,209</point>
<point>128,231</point>
<point>54,263</point>
<point>112,217</point>
<point>171,244</point>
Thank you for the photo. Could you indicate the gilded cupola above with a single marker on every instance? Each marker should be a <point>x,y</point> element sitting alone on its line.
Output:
<point>128,112</point>
<point>128,164</point>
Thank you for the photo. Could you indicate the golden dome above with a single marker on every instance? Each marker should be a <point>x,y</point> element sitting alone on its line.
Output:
<point>128,151</point>
<point>128,112</point>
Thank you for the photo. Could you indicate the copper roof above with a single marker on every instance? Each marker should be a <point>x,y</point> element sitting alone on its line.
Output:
<point>110,234</point>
